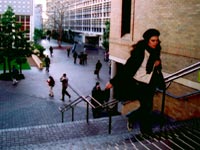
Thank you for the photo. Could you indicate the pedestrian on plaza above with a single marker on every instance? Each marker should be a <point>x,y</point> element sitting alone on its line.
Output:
<point>75,55</point>
<point>64,81</point>
<point>98,68</point>
<point>84,58</point>
<point>68,51</point>
<point>47,62</point>
<point>15,73</point>
<point>144,59</point>
<point>51,83</point>
<point>81,61</point>
<point>97,94</point>
<point>51,51</point>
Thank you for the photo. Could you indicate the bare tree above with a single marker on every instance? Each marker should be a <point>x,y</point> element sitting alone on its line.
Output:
<point>55,12</point>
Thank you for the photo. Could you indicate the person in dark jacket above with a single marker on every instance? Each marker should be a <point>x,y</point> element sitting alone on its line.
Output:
<point>98,68</point>
<point>145,57</point>
<point>47,63</point>
<point>51,51</point>
<point>64,81</point>
<point>97,94</point>
<point>75,55</point>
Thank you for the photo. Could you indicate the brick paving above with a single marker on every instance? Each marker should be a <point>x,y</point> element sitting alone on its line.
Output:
<point>28,104</point>
<point>29,101</point>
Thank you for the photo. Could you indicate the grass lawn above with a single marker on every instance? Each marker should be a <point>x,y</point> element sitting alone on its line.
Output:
<point>25,66</point>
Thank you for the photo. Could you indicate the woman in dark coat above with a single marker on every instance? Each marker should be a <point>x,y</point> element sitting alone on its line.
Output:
<point>145,57</point>
<point>97,94</point>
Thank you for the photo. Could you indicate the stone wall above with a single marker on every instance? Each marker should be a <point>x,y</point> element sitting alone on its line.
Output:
<point>177,20</point>
<point>178,23</point>
<point>178,109</point>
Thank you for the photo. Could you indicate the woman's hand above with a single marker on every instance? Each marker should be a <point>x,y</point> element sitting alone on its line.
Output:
<point>157,63</point>
<point>108,86</point>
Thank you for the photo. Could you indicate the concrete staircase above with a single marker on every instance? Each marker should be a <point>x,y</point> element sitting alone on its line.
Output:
<point>79,135</point>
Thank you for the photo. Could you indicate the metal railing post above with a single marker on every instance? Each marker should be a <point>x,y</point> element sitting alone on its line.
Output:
<point>62,114</point>
<point>162,109</point>
<point>72,113</point>
<point>87,113</point>
<point>110,123</point>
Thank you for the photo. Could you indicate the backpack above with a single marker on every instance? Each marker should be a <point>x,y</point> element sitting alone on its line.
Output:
<point>52,83</point>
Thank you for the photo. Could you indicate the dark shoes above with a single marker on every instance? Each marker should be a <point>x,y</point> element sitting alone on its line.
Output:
<point>51,95</point>
<point>129,125</point>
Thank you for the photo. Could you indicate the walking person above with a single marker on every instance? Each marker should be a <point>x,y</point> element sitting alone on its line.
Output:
<point>51,83</point>
<point>15,73</point>
<point>64,81</point>
<point>75,55</point>
<point>144,59</point>
<point>51,51</point>
<point>97,94</point>
<point>98,68</point>
<point>68,51</point>
<point>47,63</point>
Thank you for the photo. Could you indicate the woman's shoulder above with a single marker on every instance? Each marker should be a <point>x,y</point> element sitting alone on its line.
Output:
<point>139,47</point>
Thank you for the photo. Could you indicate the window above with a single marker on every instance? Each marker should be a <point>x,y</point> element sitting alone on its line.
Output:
<point>126,16</point>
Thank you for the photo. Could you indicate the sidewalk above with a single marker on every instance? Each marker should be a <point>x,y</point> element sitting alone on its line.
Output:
<point>28,103</point>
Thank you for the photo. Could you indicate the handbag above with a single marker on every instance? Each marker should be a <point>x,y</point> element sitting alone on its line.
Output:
<point>130,106</point>
<point>96,71</point>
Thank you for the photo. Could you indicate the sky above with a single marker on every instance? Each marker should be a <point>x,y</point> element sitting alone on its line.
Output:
<point>40,1</point>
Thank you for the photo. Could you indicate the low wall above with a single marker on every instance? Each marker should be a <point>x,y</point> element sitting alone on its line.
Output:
<point>179,109</point>
<point>37,61</point>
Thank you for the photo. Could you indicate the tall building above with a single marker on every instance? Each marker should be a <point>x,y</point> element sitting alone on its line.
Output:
<point>38,20</point>
<point>23,10</point>
<point>85,17</point>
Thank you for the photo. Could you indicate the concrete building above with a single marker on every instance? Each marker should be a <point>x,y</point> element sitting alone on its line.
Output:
<point>38,20</point>
<point>178,21</point>
<point>85,17</point>
<point>23,10</point>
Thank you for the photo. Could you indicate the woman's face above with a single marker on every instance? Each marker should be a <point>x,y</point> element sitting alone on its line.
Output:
<point>153,42</point>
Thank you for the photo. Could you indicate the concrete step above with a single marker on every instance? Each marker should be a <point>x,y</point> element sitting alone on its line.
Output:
<point>44,134</point>
<point>79,135</point>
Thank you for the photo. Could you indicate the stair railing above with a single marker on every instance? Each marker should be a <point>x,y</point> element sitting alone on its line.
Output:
<point>168,79</point>
<point>80,99</point>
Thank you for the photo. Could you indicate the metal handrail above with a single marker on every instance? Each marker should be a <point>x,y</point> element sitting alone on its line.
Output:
<point>167,79</point>
<point>99,104</point>
<point>81,98</point>
<point>174,76</point>
<point>182,72</point>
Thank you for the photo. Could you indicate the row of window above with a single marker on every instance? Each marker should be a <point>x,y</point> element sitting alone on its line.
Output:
<point>89,16</point>
<point>87,29</point>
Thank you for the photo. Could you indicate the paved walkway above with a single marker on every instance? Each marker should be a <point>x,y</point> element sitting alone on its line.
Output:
<point>28,103</point>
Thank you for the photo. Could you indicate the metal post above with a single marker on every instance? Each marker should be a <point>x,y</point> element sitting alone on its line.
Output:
<point>72,113</point>
<point>162,108</point>
<point>110,123</point>
<point>62,114</point>
<point>87,113</point>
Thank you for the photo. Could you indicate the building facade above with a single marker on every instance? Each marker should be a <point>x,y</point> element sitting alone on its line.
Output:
<point>23,10</point>
<point>84,17</point>
<point>38,20</point>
